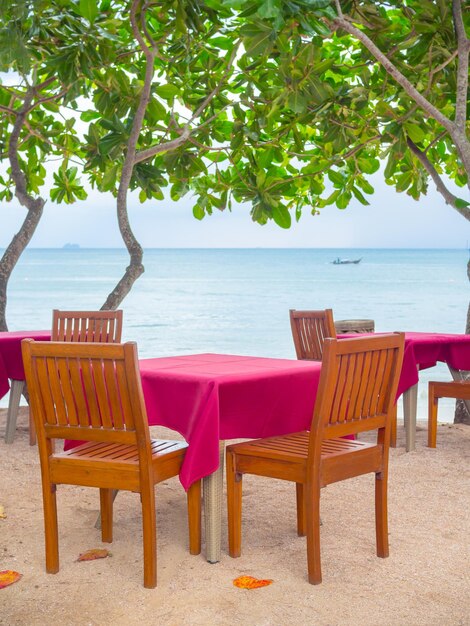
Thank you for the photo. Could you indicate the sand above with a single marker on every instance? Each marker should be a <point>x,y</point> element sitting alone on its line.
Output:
<point>426,579</point>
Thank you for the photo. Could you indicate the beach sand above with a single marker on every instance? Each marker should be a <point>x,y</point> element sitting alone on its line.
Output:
<point>425,581</point>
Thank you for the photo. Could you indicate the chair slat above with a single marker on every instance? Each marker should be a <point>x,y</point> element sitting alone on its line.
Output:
<point>56,390</point>
<point>111,385</point>
<point>124,397</point>
<point>45,392</point>
<point>90,393</point>
<point>101,394</point>
<point>64,373</point>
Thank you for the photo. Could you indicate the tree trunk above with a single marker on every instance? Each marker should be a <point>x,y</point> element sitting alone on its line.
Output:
<point>13,253</point>
<point>34,206</point>
<point>461,414</point>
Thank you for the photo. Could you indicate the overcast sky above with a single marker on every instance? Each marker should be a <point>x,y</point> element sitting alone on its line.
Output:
<point>392,220</point>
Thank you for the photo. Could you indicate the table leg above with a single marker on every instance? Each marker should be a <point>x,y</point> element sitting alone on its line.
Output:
<point>458,376</point>
<point>410,401</point>
<point>13,407</point>
<point>213,498</point>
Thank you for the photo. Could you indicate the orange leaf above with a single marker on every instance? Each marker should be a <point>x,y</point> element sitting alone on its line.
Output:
<point>3,515</point>
<point>92,555</point>
<point>8,577</point>
<point>248,582</point>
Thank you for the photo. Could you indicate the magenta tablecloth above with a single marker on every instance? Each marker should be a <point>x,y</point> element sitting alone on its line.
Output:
<point>212,397</point>
<point>11,362</point>
<point>423,350</point>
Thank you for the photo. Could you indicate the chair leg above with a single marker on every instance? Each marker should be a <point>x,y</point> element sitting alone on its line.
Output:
<point>312,503</point>
<point>432,417</point>
<point>381,514</point>
<point>301,519</point>
<point>50,527</point>
<point>194,517</point>
<point>147,498</point>
<point>393,427</point>
<point>106,508</point>
<point>234,506</point>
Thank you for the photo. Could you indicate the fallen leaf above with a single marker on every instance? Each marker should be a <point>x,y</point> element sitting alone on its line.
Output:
<point>8,577</point>
<point>92,555</point>
<point>3,515</point>
<point>249,582</point>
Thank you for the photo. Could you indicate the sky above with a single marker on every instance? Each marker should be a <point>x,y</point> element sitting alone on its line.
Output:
<point>393,220</point>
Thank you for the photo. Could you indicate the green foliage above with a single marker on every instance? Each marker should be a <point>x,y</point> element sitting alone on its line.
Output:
<point>297,114</point>
<point>50,50</point>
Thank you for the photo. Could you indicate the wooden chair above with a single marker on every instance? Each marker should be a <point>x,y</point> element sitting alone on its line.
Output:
<point>89,326</point>
<point>93,393</point>
<point>358,384</point>
<point>450,389</point>
<point>309,331</point>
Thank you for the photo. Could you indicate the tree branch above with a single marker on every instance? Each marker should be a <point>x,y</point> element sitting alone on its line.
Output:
<point>428,108</point>
<point>463,48</point>
<point>442,189</point>
<point>143,155</point>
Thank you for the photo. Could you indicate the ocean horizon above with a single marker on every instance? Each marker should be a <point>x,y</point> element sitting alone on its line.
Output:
<point>237,300</point>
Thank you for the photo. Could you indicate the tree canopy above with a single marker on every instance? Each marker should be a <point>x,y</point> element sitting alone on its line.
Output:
<point>288,106</point>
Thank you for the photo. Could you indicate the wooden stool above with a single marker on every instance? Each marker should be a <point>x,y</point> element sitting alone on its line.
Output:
<point>451,389</point>
<point>354,326</point>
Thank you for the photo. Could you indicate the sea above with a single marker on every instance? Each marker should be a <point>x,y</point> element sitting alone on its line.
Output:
<point>237,301</point>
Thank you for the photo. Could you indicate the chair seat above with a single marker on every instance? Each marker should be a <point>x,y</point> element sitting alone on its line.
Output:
<point>451,389</point>
<point>166,454</point>
<point>275,454</point>
<point>294,447</point>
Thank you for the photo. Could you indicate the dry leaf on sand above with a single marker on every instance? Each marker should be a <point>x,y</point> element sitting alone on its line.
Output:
<point>249,582</point>
<point>92,555</point>
<point>8,577</point>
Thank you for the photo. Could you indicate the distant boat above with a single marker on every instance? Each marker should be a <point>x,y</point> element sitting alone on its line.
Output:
<point>339,261</point>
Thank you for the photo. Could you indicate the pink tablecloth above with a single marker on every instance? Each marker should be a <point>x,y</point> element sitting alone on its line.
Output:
<point>423,350</point>
<point>208,397</point>
<point>11,362</point>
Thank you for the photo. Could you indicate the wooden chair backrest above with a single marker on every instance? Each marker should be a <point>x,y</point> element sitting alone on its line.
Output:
<point>358,385</point>
<point>309,331</point>
<point>85,391</point>
<point>89,326</point>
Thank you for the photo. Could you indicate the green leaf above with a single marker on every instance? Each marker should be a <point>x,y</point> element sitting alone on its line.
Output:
<point>282,216</point>
<point>461,204</point>
<point>198,212</point>
<point>336,178</point>
<point>343,200</point>
<point>167,92</point>
<point>414,132</point>
<point>88,9</point>
<point>359,196</point>
<point>368,165</point>
<point>269,8</point>
<point>403,181</point>
<point>109,179</point>
<point>297,101</point>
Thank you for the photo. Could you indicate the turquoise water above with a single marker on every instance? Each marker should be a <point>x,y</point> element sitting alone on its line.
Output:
<point>237,300</point>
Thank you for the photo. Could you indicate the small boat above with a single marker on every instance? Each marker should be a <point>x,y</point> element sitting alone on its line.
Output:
<point>339,261</point>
